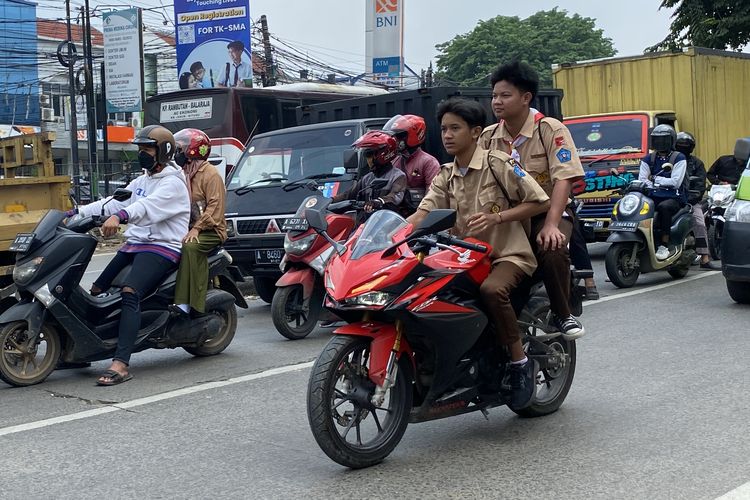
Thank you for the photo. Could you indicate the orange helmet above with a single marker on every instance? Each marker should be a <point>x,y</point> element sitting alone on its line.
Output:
<point>381,145</point>
<point>409,128</point>
<point>194,143</point>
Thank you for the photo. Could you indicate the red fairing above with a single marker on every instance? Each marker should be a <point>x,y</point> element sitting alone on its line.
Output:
<point>477,264</point>
<point>383,337</point>
<point>339,228</point>
<point>304,276</point>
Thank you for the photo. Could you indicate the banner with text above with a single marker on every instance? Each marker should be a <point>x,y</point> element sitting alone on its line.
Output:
<point>384,35</point>
<point>213,43</point>
<point>123,61</point>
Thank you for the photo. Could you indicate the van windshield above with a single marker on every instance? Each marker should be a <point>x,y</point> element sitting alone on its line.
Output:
<point>285,157</point>
<point>609,135</point>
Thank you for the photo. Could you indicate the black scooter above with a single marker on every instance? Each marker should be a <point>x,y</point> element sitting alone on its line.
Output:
<point>57,320</point>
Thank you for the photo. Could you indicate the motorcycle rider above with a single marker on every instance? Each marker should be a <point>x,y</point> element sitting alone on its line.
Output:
<point>157,216</point>
<point>492,196</point>
<point>545,149</point>
<point>669,187</point>
<point>420,167</point>
<point>208,228</point>
<point>379,148</point>
<point>727,169</point>
<point>696,172</point>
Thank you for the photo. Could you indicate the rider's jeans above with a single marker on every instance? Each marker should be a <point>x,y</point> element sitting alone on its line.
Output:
<point>495,292</point>
<point>666,208</point>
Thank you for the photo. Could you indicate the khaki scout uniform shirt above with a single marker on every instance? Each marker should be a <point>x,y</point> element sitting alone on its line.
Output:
<point>477,191</point>
<point>209,192</point>
<point>548,160</point>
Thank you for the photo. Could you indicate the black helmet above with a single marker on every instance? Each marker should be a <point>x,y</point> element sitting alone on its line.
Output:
<point>685,143</point>
<point>160,138</point>
<point>663,138</point>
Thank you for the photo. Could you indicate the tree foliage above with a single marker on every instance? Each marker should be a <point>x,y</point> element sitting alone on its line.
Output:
<point>542,39</point>
<point>715,24</point>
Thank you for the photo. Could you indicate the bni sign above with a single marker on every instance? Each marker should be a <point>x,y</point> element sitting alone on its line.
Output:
<point>123,65</point>
<point>384,34</point>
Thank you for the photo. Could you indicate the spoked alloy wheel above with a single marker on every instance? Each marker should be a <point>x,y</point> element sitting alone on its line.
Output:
<point>292,315</point>
<point>621,269</point>
<point>347,426</point>
<point>25,361</point>
<point>553,382</point>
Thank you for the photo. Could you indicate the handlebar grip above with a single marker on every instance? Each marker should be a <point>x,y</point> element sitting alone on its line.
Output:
<point>465,244</point>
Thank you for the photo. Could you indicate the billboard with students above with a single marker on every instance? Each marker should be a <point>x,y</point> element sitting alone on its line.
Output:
<point>213,43</point>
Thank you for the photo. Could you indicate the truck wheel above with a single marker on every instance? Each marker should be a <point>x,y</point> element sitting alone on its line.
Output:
<point>265,288</point>
<point>24,363</point>
<point>292,316</point>
<point>621,271</point>
<point>739,291</point>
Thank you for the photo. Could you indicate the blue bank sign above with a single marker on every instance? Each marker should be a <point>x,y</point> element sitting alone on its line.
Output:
<point>213,43</point>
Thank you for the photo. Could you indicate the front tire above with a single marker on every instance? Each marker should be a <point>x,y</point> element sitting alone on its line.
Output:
<point>21,363</point>
<point>714,241</point>
<point>338,398</point>
<point>621,271</point>
<point>739,291</point>
<point>292,316</point>
<point>216,344</point>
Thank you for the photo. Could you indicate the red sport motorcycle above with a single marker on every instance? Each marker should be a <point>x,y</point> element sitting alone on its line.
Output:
<point>419,345</point>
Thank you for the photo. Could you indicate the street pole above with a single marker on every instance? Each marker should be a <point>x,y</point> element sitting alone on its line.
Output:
<point>73,120</point>
<point>270,73</point>
<point>105,145</point>
<point>90,99</point>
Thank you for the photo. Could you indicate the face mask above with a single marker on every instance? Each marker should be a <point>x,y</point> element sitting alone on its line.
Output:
<point>180,158</point>
<point>146,161</point>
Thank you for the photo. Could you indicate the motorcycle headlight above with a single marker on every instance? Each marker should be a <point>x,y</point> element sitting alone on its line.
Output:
<point>371,299</point>
<point>25,272</point>
<point>300,246</point>
<point>739,211</point>
<point>628,204</point>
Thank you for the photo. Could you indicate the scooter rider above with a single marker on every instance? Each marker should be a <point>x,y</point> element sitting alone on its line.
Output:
<point>380,150</point>
<point>727,169</point>
<point>669,187</point>
<point>157,215</point>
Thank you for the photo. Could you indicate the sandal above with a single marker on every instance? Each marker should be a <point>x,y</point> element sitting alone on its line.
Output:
<point>114,377</point>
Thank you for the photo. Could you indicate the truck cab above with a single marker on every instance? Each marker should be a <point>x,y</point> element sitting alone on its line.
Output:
<point>611,146</point>
<point>257,203</point>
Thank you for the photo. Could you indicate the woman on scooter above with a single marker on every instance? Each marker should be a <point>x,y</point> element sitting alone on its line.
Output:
<point>493,196</point>
<point>208,228</point>
<point>157,216</point>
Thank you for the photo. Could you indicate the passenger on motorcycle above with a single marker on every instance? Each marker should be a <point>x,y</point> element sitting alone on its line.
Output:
<point>420,167</point>
<point>669,186</point>
<point>727,169</point>
<point>380,150</point>
<point>545,149</point>
<point>696,172</point>
<point>492,196</point>
<point>157,216</point>
<point>208,228</point>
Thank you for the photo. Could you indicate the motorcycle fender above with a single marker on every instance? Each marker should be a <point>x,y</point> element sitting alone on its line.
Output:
<point>623,237</point>
<point>304,276</point>
<point>228,285</point>
<point>30,312</point>
<point>383,337</point>
<point>219,299</point>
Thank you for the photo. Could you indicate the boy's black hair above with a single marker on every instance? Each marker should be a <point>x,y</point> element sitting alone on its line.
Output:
<point>236,45</point>
<point>196,66</point>
<point>468,110</point>
<point>519,74</point>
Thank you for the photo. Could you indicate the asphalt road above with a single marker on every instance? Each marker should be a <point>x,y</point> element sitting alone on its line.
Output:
<point>658,409</point>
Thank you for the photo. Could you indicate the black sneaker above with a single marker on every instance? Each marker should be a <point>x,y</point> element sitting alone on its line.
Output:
<point>570,327</point>
<point>520,382</point>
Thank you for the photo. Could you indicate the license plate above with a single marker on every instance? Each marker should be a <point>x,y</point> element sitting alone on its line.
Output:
<point>22,243</point>
<point>272,256</point>
<point>596,224</point>
<point>295,224</point>
<point>623,226</point>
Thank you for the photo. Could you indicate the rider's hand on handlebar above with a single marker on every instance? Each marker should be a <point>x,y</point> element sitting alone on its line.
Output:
<point>550,238</point>
<point>373,205</point>
<point>110,226</point>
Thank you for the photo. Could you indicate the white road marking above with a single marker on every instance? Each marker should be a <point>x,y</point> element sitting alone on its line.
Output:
<point>739,493</point>
<point>280,370</point>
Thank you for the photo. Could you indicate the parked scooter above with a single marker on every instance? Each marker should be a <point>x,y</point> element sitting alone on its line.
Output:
<point>57,320</point>
<point>633,243</point>
<point>720,196</point>
<point>418,345</point>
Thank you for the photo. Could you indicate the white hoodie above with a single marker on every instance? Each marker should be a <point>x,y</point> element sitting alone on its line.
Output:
<point>158,211</point>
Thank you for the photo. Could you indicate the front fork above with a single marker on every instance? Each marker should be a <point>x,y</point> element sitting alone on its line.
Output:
<point>391,368</point>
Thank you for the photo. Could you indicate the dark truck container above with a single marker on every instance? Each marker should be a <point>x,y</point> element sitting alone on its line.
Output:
<point>257,203</point>
<point>421,102</point>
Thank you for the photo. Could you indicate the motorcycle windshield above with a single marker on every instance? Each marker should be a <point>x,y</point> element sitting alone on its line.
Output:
<point>377,233</point>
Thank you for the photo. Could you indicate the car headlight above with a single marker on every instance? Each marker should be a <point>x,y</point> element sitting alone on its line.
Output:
<point>628,204</point>
<point>371,299</point>
<point>230,229</point>
<point>739,211</point>
<point>300,246</point>
<point>25,272</point>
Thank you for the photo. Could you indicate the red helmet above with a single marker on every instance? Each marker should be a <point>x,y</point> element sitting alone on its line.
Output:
<point>381,145</point>
<point>410,126</point>
<point>194,143</point>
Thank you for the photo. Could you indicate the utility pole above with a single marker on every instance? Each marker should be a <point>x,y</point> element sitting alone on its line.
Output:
<point>73,121</point>
<point>105,138</point>
<point>269,77</point>
<point>90,99</point>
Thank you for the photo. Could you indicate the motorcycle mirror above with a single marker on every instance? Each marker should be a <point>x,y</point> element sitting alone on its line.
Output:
<point>435,221</point>
<point>122,194</point>
<point>351,160</point>
<point>379,184</point>
<point>316,220</point>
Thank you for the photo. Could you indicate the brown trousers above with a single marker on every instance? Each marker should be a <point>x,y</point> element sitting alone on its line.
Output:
<point>554,265</point>
<point>495,292</point>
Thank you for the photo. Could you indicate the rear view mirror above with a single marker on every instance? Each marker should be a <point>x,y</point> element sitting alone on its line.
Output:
<point>436,221</point>
<point>351,160</point>
<point>378,184</point>
<point>316,219</point>
<point>122,194</point>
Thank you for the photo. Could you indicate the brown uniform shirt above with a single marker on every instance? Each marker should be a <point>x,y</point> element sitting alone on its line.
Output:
<point>209,192</point>
<point>478,191</point>
<point>548,160</point>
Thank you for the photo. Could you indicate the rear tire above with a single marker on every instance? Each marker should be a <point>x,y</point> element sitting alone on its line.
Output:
<point>20,365</point>
<point>291,316</point>
<point>617,263</point>
<point>222,339</point>
<point>714,242</point>
<point>265,288</point>
<point>739,291</point>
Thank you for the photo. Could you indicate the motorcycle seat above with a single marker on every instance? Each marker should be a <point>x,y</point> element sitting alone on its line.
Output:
<point>687,209</point>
